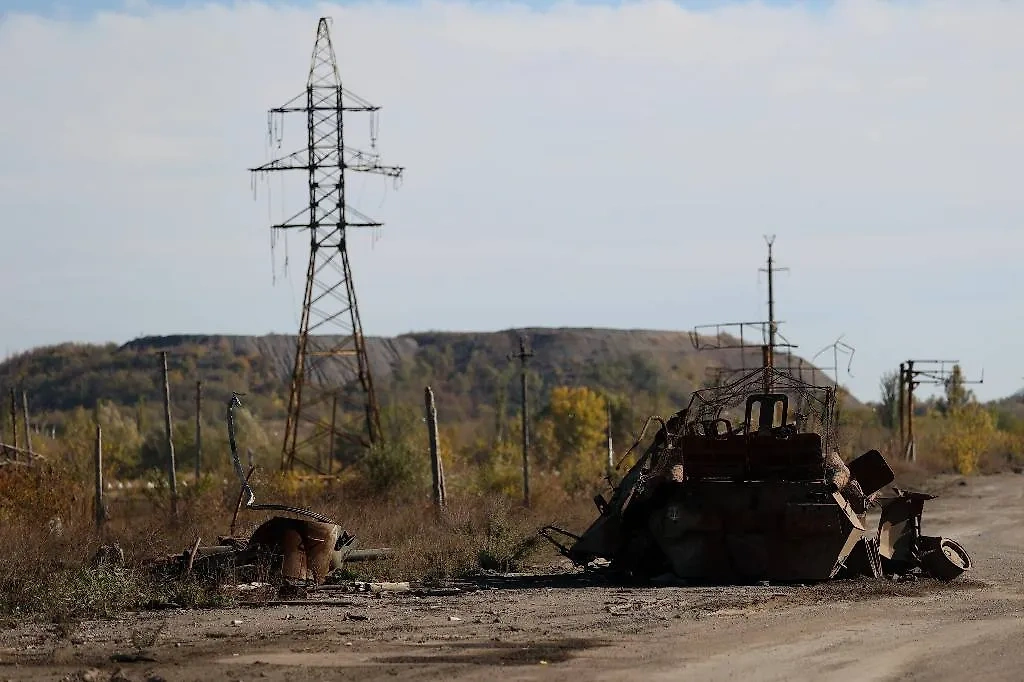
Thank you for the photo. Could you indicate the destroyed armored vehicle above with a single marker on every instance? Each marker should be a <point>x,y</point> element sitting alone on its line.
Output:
<point>746,484</point>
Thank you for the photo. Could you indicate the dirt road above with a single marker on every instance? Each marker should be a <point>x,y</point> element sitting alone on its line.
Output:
<point>864,630</point>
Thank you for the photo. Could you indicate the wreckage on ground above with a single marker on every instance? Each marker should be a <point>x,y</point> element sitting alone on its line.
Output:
<point>291,552</point>
<point>746,484</point>
<point>294,552</point>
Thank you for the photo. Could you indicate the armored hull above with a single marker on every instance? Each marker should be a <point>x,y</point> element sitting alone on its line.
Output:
<point>767,498</point>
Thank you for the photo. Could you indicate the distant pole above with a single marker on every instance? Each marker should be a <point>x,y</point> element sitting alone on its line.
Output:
<point>901,398</point>
<point>911,449</point>
<point>14,419</point>
<point>768,357</point>
<point>608,435</point>
<point>172,476</point>
<point>436,473</point>
<point>24,415</point>
<point>101,511</point>
<point>330,438</point>
<point>771,297</point>
<point>523,355</point>
<point>199,429</point>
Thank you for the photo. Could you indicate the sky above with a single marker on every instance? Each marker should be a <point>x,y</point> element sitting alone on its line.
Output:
<point>567,164</point>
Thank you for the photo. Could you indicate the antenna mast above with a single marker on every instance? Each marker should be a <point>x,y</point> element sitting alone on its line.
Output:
<point>773,327</point>
<point>723,340</point>
<point>330,349</point>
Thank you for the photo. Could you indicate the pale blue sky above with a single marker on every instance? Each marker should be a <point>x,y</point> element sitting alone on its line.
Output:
<point>86,8</point>
<point>569,164</point>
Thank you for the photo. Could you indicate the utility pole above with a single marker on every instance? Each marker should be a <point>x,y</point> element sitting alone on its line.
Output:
<point>773,326</point>
<point>330,346</point>
<point>770,240</point>
<point>901,409</point>
<point>199,429</point>
<point>523,355</point>
<point>172,474</point>
<point>910,449</point>
<point>935,372</point>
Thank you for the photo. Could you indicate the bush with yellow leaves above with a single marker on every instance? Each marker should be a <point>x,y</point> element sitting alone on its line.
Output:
<point>969,433</point>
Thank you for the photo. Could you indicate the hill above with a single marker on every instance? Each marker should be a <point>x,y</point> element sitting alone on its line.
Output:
<point>468,367</point>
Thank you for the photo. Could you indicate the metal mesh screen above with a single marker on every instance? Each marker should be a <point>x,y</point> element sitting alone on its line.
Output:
<point>811,408</point>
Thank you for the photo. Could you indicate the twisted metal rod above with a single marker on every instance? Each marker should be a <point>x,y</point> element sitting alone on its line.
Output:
<point>250,502</point>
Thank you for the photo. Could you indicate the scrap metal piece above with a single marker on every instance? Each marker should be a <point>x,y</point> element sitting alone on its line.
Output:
<point>871,471</point>
<point>943,558</point>
<point>905,549</point>
<point>250,501</point>
<point>307,548</point>
<point>899,525</point>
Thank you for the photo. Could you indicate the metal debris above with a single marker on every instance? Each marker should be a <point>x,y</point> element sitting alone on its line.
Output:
<point>747,485</point>
<point>250,497</point>
<point>295,552</point>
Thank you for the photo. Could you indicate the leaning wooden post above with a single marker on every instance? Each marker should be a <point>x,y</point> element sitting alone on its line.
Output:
<point>24,415</point>
<point>101,511</point>
<point>172,476</point>
<point>436,473</point>
<point>199,429</point>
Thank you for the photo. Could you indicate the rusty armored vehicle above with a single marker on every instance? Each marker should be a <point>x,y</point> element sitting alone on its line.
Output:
<point>747,485</point>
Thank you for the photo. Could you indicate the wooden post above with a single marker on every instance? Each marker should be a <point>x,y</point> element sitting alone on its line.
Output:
<point>330,437</point>
<point>172,474</point>
<point>199,429</point>
<point>436,473</point>
<point>14,419</point>
<point>24,415</point>
<point>101,511</point>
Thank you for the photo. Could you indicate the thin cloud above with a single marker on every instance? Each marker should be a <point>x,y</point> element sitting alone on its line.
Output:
<point>621,162</point>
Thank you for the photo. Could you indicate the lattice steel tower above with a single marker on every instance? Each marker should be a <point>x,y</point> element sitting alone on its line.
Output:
<point>330,350</point>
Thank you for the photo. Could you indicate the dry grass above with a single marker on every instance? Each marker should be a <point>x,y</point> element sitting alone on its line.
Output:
<point>47,522</point>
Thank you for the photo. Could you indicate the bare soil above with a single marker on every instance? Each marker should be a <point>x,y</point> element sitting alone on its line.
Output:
<point>567,628</point>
